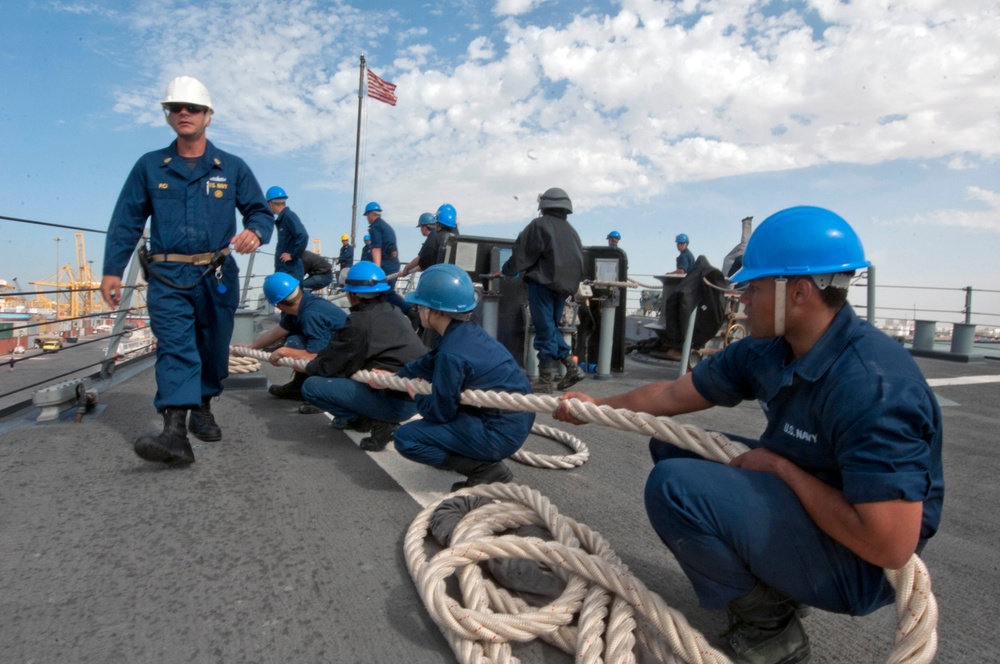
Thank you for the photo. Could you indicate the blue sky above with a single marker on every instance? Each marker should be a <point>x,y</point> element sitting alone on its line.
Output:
<point>657,118</point>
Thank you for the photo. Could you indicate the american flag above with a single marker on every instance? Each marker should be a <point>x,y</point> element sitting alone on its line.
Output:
<point>383,91</point>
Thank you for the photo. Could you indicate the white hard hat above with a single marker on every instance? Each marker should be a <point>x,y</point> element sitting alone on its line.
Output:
<point>187,90</point>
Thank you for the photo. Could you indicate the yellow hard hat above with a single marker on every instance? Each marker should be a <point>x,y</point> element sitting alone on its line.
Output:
<point>344,238</point>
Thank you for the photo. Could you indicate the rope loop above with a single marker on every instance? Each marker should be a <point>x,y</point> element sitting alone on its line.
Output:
<point>916,606</point>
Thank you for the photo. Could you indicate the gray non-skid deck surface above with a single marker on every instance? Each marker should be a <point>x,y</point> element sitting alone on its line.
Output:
<point>283,543</point>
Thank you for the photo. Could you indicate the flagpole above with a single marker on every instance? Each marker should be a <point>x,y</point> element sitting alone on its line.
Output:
<point>357,150</point>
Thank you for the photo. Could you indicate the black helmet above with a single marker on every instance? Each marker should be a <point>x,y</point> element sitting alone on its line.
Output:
<point>555,198</point>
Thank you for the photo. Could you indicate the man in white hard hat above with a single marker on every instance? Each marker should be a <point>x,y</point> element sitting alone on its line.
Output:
<point>190,191</point>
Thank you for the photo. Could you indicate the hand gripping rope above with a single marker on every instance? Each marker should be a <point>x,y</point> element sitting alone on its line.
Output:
<point>580,455</point>
<point>604,612</point>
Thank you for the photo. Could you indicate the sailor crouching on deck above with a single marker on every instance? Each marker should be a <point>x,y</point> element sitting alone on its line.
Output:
<point>190,191</point>
<point>376,335</point>
<point>307,322</point>
<point>845,480</point>
<point>468,440</point>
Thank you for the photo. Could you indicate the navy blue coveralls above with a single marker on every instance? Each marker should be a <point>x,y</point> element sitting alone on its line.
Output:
<point>384,237</point>
<point>346,258</point>
<point>191,212</point>
<point>293,238</point>
<point>313,327</point>
<point>685,260</point>
<point>465,358</point>
<point>366,253</point>
<point>856,413</point>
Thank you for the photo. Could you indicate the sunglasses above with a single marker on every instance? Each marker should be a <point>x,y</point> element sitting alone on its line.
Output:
<point>193,109</point>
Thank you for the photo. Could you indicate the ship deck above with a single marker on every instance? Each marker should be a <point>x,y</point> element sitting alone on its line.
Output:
<point>283,542</point>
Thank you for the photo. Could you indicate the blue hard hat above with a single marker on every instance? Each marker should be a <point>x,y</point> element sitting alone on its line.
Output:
<point>426,219</point>
<point>681,238</point>
<point>366,277</point>
<point>614,235</point>
<point>449,208</point>
<point>373,207</point>
<point>446,216</point>
<point>368,238</point>
<point>444,287</point>
<point>801,241</point>
<point>275,192</point>
<point>278,286</point>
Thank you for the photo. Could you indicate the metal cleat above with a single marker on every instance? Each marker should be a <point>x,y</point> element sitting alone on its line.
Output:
<point>56,398</point>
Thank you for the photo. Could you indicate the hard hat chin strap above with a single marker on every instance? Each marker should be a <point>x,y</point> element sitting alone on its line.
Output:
<point>780,284</point>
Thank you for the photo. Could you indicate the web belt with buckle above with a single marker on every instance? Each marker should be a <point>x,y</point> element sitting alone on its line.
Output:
<point>194,259</point>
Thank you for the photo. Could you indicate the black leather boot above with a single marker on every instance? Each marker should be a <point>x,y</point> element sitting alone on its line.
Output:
<point>201,423</point>
<point>382,434</point>
<point>543,385</point>
<point>573,374</point>
<point>170,445</point>
<point>477,471</point>
<point>291,390</point>
<point>764,628</point>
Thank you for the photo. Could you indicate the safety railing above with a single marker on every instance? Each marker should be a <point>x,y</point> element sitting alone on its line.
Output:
<point>50,333</point>
<point>881,305</point>
<point>124,333</point>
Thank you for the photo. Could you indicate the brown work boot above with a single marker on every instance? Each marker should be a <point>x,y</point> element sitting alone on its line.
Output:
<point>543,384</point>
<point>574,374</point>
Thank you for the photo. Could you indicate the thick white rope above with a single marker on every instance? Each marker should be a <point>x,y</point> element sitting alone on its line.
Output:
<point>469,398</point>
<point>242,365</point>
<point>916,633</point>
<point>599,615</point>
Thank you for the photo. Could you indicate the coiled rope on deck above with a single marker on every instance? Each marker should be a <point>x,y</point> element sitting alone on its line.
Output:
<point>480,631</point>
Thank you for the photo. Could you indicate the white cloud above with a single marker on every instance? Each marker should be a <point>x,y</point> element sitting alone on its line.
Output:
<point>987,219</point>
<point>617,106</point>
<point>514,7</point>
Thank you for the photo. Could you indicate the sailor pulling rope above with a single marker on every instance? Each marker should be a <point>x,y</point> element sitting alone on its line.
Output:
<point>494,617</point>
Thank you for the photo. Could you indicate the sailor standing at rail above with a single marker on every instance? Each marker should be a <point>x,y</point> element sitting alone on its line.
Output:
<point>366,250</point>
<point>385,253</point>
<point>293,238</point>
<point>190,191</point>
<point>346,258</point>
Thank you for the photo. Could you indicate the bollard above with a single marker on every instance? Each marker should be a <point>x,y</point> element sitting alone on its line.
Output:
<point>607,341</point>
<point>962,338</point>
<point>243,327</point>
<point>923,334</point>
<point>491,314</point>
<point>531,359</point>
